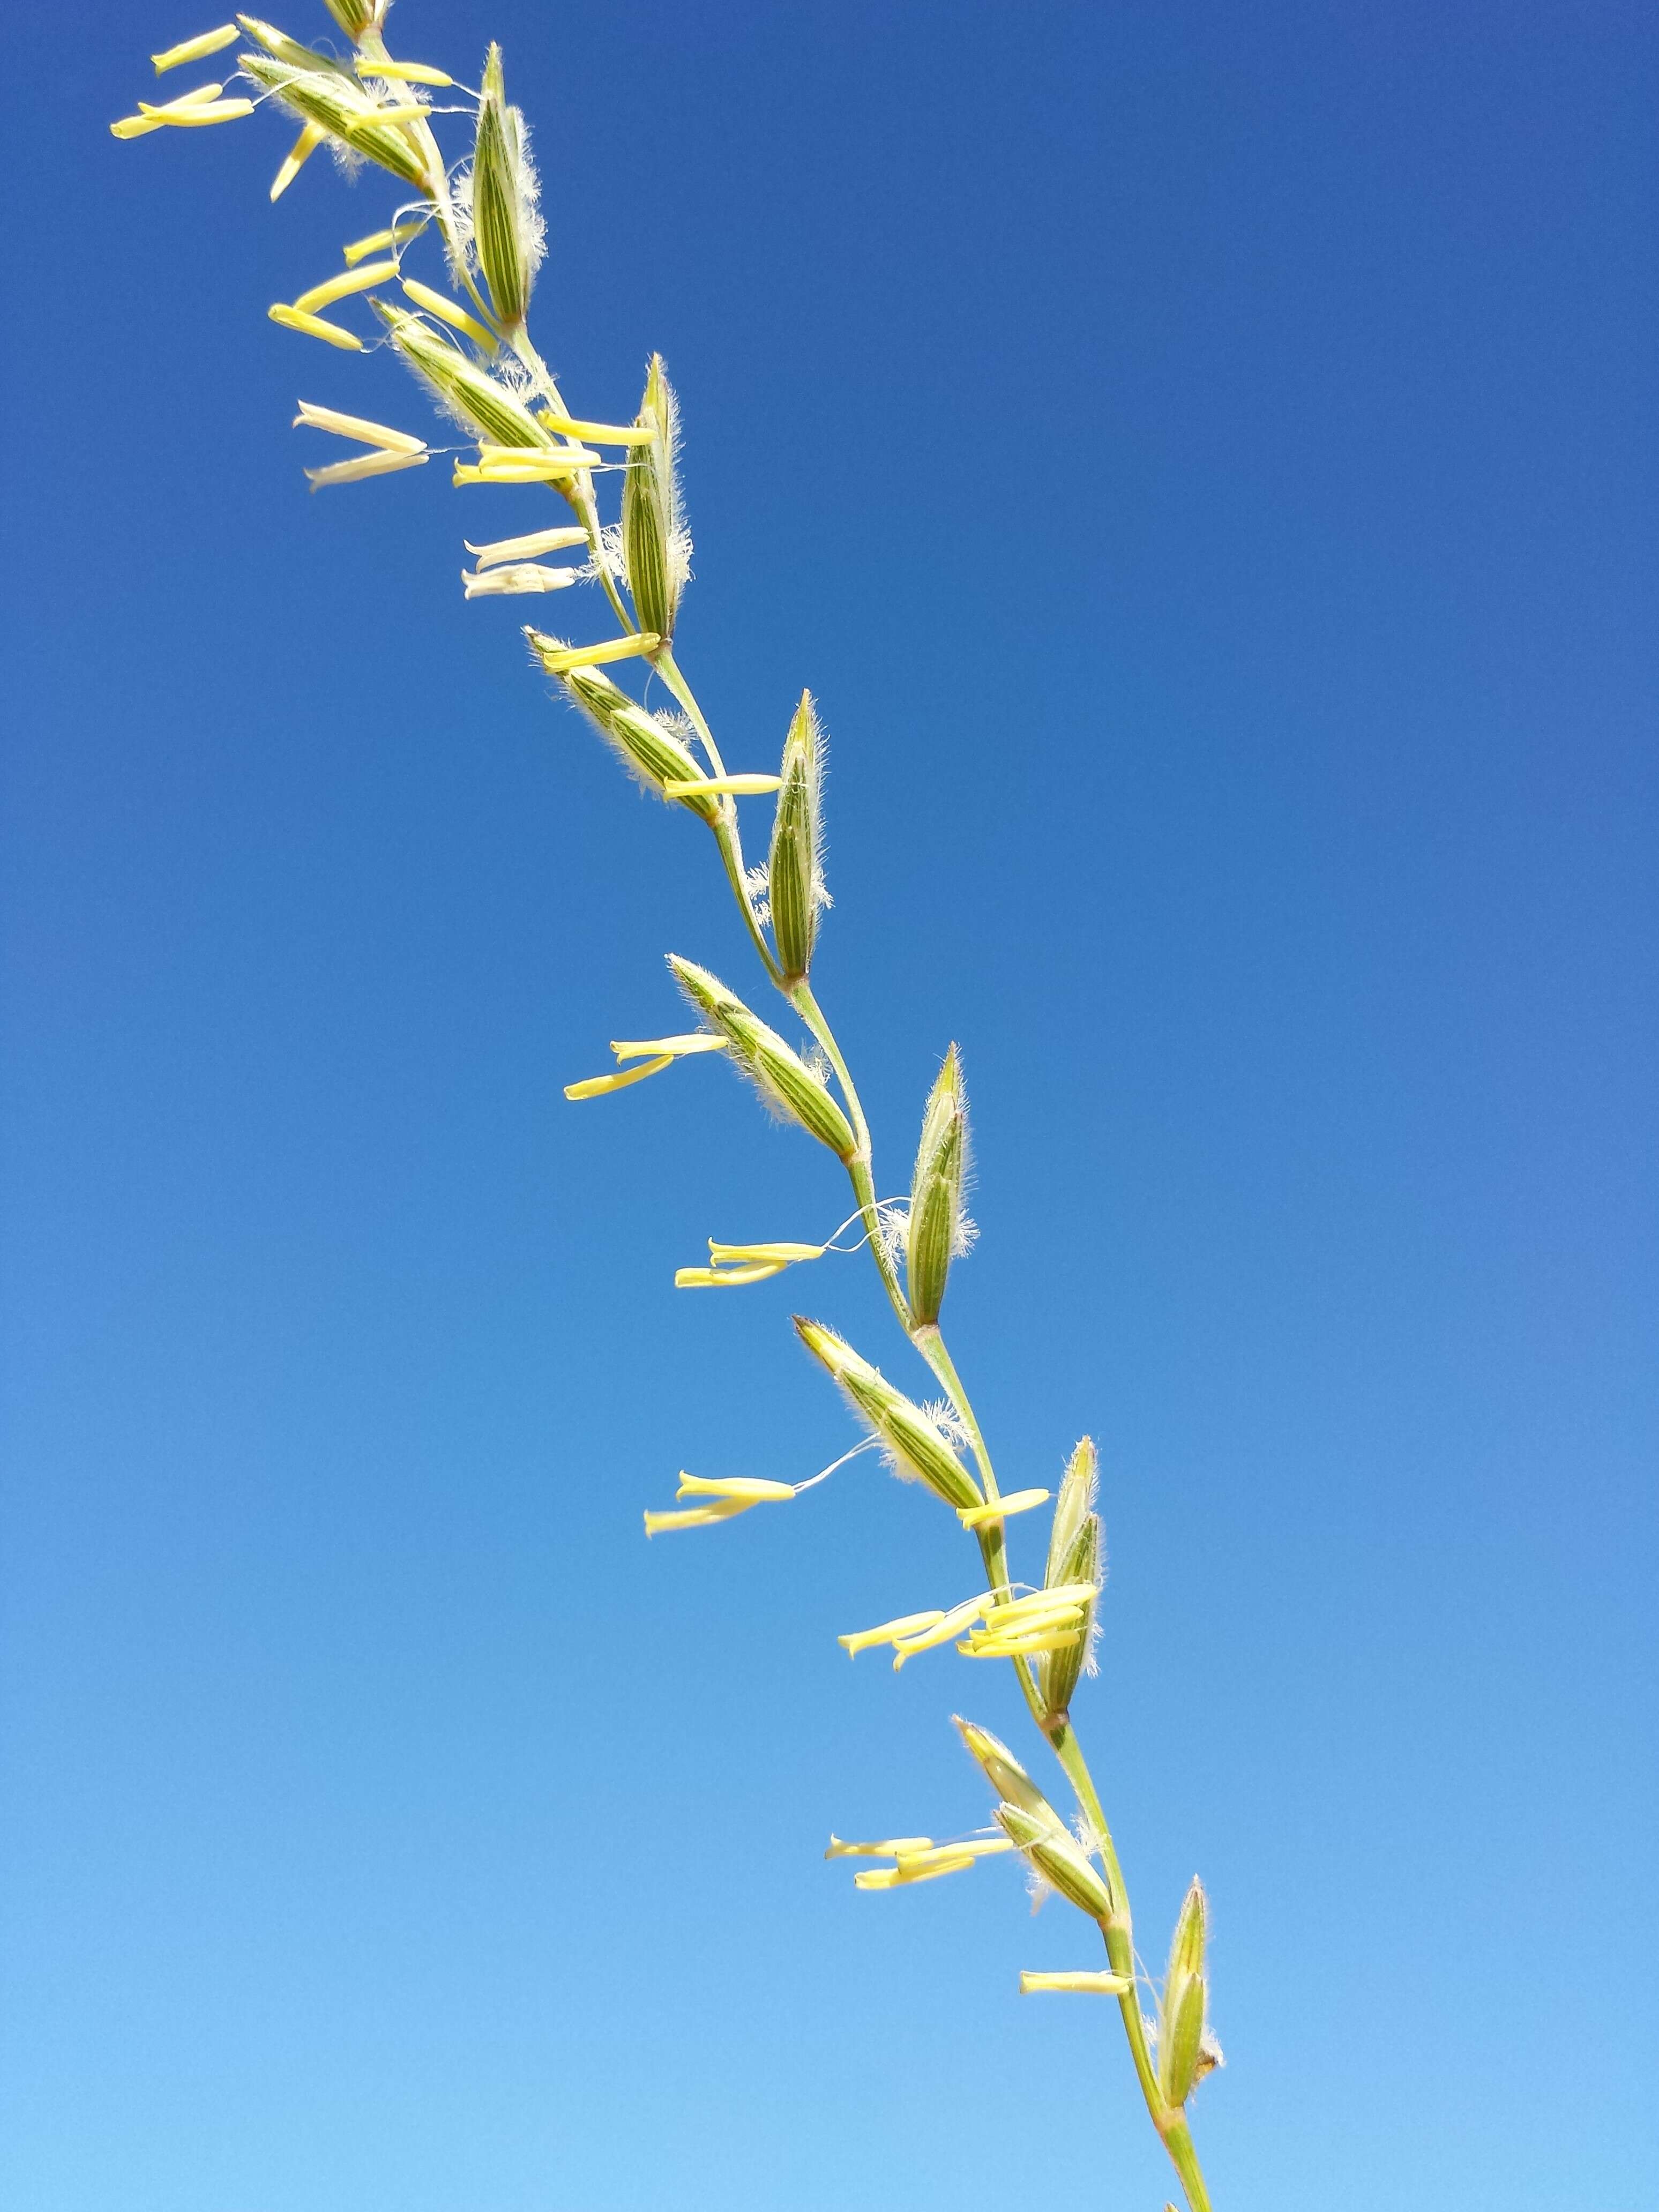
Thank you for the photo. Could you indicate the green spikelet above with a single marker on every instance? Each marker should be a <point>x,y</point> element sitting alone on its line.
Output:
<point>792,879</point>
<point>337,105</point>
<point>1181,2014</point>
<point>652,529</point>
<point>489,407</point>
<point>505,227</point>
<point>1059,1860</point>
<point>354,16</point>
<point>652,755</point>
<point>914,1445</point>
<point>1076,1555</point>
<point>781,1076</point>
<point>936,1221</point>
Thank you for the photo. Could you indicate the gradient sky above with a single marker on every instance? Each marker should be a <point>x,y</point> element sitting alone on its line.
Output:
<point>1203,458</point>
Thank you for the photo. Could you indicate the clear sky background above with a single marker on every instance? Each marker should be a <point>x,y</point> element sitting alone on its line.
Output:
<point>1203,458</point>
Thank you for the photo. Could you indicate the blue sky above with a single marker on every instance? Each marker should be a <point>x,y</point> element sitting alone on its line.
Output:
<point>1203,460</point>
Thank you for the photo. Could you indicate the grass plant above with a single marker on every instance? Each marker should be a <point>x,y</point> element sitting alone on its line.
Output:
<point>468,218</point>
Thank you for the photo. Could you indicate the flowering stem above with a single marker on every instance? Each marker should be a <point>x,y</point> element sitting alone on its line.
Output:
<point>1118,1932</point>
<point>469,251</point>
<point>1170,2120</point>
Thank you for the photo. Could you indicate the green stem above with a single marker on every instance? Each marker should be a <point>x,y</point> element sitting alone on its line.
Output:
<point>1178,2142</point>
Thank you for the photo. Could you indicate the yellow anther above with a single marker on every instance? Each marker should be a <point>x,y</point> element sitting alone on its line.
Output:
<point>1018,1501</point>
<point>511,551</point>
<point>377,239</point>
<point>193,115</point>
<point>680,1048</point>
<point>296,157</point>
<point>694,1516</point>
<point>526,470</point>
<point>908,1623</point>
<point>526,549</point>
<point>912,1861</point>
<point>447,310</point>
<point>292,318</point>
<point>403,72</point>
<point>723,1279</point>
<point>1002,1620</point>
<point>1019,1647</point>
<point>523,577</point>
<point>599,1087</point>
<point>1084,1984</point>
<point>364,465</point>
<point>948,1625</point>
<point>199,95</point>
<point>133,126</point>
<point>196,50</point>
<point>342,286</point>
<point>786,1256</point>
<point>602,434</point>
<point>1042,1600</point>
<point>741,787</point>
<point>365,433</point>
<point>524,457</point>
<point>891,1849</point>
<point>896,1878</point>
<point>403,112</point>
<point>556,659</point>
<point>752,1489</point>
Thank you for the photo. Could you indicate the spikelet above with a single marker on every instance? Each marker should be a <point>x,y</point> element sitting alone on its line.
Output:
<point>1059,1860</point>
<point>1076,1558</point>
<point>937,1229</point>
<point>782,1077</point>
<point>1181,2008</point>
<point>355,17</point>
<point>337,104</point>
<point>475,399</point>
<point>794,873</point>
<point>508,232</point>
<point>653,756</point>
<point>281,48</point>
<point>656,547</point>
<point>1013,1784</point>
<point>913,1446</point>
